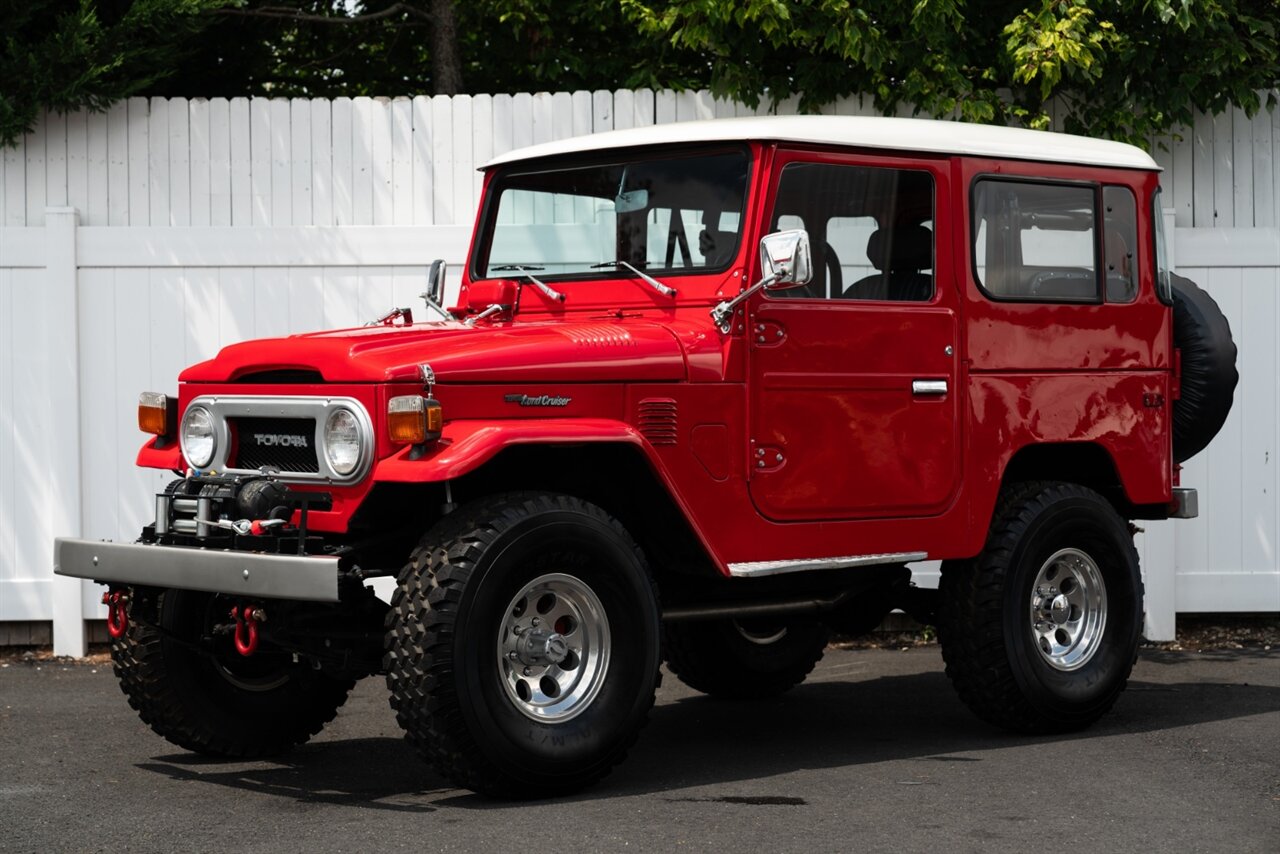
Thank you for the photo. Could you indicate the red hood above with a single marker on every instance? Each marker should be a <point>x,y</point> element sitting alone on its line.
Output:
<point>557,351</point>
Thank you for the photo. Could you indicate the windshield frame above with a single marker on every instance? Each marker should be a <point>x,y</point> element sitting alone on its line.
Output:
<point>487,221</point>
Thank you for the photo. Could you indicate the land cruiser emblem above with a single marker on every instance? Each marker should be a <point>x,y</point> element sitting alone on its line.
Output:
<point>282,440</point>
<point>537,400</point>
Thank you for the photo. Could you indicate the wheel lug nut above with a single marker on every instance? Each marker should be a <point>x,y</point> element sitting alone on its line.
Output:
<point>512,655</point>
<point>537,621</point>
<point>528,671</point>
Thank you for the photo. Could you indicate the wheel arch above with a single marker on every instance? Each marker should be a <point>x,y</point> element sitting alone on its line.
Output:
<point>1088,464</point>
<point>618,477</point>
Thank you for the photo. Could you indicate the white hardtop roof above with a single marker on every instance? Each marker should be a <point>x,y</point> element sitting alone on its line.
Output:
<point>898,134</point>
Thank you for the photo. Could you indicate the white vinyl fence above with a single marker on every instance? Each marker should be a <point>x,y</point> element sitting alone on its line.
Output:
<point>135,242</point>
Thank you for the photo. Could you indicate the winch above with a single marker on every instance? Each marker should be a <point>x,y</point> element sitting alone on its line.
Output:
<point>235,511</point>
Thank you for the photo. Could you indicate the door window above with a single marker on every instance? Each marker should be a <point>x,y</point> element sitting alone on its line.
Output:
<point>870,229</point>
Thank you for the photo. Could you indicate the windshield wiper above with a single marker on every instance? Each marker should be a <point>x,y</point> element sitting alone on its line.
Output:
<point>665,290</point>
<point>525,271</point>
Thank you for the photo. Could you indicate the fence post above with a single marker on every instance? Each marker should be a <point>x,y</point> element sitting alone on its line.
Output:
<point>1160,558</point>
<point>60,224</point>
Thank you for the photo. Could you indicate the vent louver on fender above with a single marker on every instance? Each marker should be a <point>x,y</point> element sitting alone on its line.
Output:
<point>657,420</point>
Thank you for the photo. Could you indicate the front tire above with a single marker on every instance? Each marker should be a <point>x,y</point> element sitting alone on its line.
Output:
<point>1040,631</point>
<point>205,697</point>
<point>522,645</point>
<point>746,659</point>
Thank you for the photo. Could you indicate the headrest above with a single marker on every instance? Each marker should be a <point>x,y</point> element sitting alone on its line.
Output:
<point>713,242</point>
<point>903,247</point>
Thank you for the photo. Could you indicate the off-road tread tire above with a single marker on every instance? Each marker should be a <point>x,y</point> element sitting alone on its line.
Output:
<point>420,634</point>
<point>139,662</point>
<point>696,653</point>
<point>1209,376</point>
<point>970,619</point>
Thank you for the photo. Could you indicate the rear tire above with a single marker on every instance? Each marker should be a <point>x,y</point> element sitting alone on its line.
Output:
<point>1040,631</point>
<point>220,704</point>
<point>522,645</point>
<point>745,659</point>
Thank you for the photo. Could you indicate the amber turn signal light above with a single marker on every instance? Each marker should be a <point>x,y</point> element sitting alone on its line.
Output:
<point>413,420</point>
<point>157,413</point>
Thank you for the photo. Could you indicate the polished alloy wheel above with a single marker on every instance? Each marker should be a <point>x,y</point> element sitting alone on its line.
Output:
<point>1068,609</point>
<point>553,648</point>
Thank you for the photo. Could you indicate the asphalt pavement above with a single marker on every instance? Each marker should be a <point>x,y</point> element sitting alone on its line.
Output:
<point>873,753</point>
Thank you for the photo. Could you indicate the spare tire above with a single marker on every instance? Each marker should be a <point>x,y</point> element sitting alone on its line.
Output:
<point>1209,377</point>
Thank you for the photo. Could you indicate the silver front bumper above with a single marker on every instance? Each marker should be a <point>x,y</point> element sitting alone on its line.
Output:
<point>268,576</point>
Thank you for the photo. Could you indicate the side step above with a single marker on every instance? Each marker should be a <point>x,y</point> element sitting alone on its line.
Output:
<point>761,568</point>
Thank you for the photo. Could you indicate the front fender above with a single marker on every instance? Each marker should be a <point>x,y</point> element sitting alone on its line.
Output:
<point>168,457</point>
<point>467,445</point>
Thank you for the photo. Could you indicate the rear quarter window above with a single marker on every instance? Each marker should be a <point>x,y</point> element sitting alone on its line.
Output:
<point>1035,241</point>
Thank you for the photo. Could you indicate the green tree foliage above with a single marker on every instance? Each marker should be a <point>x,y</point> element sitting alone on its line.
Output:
<point>65,54</point>
<point>1118,68</point>
<point>386,47</point>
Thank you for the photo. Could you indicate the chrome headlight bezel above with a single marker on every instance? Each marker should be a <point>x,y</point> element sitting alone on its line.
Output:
<point>193,448</point>
<point>328,444</point>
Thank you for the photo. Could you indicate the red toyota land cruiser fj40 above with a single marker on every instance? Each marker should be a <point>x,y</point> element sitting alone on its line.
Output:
<point>708,389</point>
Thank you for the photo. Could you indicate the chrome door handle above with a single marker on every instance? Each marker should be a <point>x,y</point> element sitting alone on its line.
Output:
<point>928,387</point>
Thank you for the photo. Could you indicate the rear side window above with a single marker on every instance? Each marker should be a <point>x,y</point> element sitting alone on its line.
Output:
<point>1120,243</point>
<point>1034,241</point>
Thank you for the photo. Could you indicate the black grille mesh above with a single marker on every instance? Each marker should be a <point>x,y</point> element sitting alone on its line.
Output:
<point>276,452</point>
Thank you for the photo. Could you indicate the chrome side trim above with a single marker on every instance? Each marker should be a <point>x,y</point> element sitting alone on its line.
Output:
<point>223,407</point>
<point>313,578</point>
<point>1185,504</point>
<point>756,569</point>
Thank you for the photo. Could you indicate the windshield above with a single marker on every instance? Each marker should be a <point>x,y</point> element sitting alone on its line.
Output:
<point>665,215</point>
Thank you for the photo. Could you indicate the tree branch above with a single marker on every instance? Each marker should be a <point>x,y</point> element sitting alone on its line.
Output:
<point>287,14</point>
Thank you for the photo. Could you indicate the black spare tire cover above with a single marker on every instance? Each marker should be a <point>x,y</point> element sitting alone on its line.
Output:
<point>1209,377</point>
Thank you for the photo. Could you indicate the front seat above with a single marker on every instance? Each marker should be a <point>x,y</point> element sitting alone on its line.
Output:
<point>900,254</point>
<point>717,247</point>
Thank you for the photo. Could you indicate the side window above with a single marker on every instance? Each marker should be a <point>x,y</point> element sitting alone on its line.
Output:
<point>870,228</point>
<point>1120,243</point>
<point>1035,241</point>
<point>1164,284</point>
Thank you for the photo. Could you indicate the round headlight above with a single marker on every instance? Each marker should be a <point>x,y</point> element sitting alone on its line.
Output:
<point>342,441</point>
<point>198,438</point>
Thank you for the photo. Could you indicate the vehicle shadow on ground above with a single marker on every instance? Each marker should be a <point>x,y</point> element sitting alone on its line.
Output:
<point>375,773</point>
<point>698,741</point>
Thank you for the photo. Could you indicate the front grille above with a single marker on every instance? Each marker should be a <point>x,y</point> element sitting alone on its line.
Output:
<point>277,443</point>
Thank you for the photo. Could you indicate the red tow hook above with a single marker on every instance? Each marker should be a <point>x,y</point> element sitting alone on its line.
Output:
<point>247,619</point>
<point>117,616</point>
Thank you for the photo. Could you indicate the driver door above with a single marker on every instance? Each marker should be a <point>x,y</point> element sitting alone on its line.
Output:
<point>854,402</point>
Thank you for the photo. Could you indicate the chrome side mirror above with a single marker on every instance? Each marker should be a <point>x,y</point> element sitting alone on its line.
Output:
<point>786,259</point>
<point>787,263</point>
<point>435,287</point>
